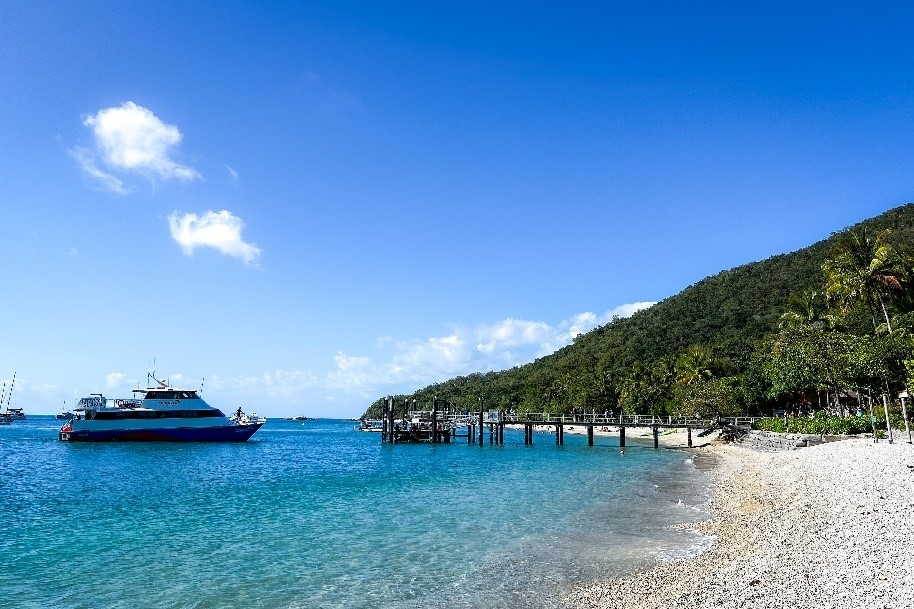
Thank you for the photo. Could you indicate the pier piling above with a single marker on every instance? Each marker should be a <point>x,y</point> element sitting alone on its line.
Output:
<point>391,435</point>
<point>444,425</point>
<point>434,420</point>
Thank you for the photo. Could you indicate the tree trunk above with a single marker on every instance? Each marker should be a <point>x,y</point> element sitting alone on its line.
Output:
<point>872,418</point>
<point>904,413</point>
<point>888,425</point>
<point>888,323</point>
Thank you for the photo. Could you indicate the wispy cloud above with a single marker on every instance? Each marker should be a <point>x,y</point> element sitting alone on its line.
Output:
<point>130,139</point>
<point>218,230</point>
<point>404,365</point>
<point>233,175</point>
<point>467,349</point>
<point>286,384</point>
<point>88,161</point>
<point>316,87</point>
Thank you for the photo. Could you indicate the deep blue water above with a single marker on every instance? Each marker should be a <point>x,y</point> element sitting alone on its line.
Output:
<point>316,515</point>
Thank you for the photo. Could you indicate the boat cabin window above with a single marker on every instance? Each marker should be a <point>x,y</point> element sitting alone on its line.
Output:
<point>110,415</point>
<point>172,395</point>
<point>160,395</point>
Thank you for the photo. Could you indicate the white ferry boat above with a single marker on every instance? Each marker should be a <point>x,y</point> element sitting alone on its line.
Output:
<point>163,414</point>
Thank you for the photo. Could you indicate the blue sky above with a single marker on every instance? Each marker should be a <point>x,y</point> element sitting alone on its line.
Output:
<point>311,205</point>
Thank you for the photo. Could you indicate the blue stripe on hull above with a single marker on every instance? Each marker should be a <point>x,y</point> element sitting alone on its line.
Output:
<point>227,433</point>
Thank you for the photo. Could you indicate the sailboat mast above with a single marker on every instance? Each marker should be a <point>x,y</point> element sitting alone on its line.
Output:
<point>9,396</point>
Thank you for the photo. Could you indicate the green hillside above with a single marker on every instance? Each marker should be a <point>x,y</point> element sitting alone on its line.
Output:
<point>633,363</point>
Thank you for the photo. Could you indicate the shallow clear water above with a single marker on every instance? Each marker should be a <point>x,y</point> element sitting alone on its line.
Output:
<point>316,514</point>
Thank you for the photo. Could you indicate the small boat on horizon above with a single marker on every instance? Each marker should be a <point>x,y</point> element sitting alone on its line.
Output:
<point>371,425</point>
<point>64,414</point>
<point>163,414</point>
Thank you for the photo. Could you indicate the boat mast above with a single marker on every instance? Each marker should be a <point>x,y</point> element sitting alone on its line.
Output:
<point>9,396</point>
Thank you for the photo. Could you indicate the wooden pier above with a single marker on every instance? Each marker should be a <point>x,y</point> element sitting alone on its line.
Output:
<point>436,427</point>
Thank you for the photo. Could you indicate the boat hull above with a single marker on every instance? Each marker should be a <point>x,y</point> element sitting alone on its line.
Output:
<point>223,433</point>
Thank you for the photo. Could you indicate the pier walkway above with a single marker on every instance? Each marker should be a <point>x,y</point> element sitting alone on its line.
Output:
<point>444,427</point>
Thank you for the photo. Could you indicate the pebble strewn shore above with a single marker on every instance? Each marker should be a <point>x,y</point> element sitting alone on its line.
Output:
<point>826,526</point>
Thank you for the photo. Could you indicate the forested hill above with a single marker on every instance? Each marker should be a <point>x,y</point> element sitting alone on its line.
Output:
<point>727,314</point>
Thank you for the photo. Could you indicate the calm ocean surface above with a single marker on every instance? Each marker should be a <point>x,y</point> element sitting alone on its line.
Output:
<point>319,515</point>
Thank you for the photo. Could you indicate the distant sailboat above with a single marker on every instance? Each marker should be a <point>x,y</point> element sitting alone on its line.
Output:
<point>11,414</point>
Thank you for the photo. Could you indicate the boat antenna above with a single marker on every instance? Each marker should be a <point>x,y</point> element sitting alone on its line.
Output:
<point>152,375</point>
<point>201,385</point>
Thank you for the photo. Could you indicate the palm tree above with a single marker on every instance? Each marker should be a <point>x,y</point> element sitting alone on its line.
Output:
<point>693,365</point>
<point>862,270</point>
<point>807,309</point>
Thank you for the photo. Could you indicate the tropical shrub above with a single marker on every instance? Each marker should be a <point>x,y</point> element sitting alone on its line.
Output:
<point>821,423</point>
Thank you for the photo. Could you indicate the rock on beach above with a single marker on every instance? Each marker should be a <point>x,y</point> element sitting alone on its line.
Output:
<point>820,527</point>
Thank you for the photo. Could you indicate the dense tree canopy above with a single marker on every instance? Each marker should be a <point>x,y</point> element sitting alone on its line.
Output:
<point>831,317</point>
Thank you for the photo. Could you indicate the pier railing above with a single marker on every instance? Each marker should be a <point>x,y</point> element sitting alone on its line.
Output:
<point>443,426</point>
<point>455,421</point>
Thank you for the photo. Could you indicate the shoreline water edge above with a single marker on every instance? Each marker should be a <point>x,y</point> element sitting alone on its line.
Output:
<point>826,526</point>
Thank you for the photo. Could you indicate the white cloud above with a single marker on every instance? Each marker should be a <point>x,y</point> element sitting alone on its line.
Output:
<point>218,230</point>
<point>352,372</point>
<point>131,139</point>
<point>290,385</point>
<point>485,347</point>
<point>627,310</point>
<point>511,333</point>
<point>233,175</point>
<point>116,380</point>
<point>404,365</point>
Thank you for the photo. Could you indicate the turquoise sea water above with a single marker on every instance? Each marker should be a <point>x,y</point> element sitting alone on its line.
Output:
<point>316,515</point>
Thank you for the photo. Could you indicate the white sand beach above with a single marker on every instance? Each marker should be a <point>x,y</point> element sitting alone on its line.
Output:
<point>826,526</point>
